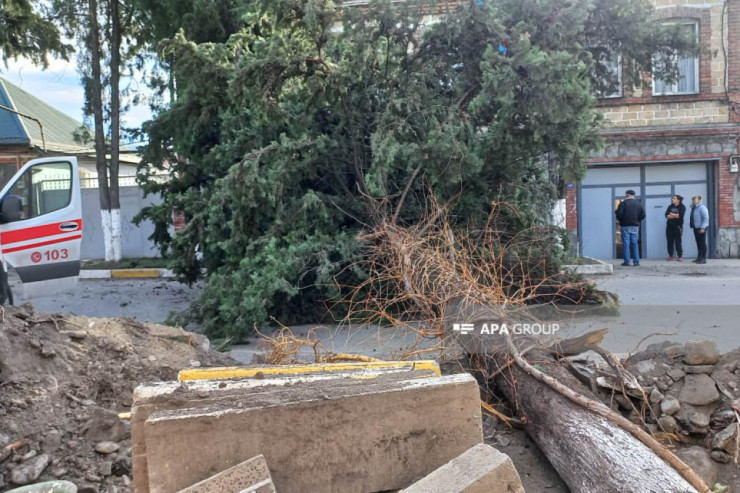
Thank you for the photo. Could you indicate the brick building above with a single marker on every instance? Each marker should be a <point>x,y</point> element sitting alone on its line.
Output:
<point>680,138</point>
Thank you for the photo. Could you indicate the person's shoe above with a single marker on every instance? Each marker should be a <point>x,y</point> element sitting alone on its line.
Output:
<point>695,260</point>
<point>670,258</point>
<point>701,261</point>
<point>680,259</point>
<point>626,264</point>
<point>637,264</point>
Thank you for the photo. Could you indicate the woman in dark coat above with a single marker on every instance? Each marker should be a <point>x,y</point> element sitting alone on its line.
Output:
<point>674,226</point>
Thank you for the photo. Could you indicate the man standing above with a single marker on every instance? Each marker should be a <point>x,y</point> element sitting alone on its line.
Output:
<point>629,214</point>
<point>699,222</point>
<point>674,226</point>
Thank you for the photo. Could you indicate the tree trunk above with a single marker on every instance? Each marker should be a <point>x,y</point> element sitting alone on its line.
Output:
<point>591,454</point>
<point>594,449</point>
<point>115,131</point>
<point>96,97</point>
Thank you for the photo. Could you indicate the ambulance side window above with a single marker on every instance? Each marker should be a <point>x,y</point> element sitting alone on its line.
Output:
<point>43,188</point>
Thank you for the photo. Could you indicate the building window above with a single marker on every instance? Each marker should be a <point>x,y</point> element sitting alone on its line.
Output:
<point>609,80</point>
<point>688,70</point>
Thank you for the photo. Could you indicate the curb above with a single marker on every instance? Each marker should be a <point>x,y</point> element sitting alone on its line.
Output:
<point>591,269</point>
<point>283,370</point>
<point>125,273</point>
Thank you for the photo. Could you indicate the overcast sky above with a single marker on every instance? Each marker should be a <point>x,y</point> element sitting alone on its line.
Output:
<point>59,86</point>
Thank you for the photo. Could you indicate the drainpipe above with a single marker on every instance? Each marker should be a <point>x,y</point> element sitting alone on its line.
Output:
<point>38,122</point>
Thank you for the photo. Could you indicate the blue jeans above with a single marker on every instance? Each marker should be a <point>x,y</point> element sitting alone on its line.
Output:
<point>629,237</point>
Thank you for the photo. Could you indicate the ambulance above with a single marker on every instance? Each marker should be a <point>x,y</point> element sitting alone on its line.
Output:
<point>41,227</point>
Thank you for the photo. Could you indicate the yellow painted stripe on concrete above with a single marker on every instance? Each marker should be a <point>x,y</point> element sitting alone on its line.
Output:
<point>244,372</point>
<point>135,273</point>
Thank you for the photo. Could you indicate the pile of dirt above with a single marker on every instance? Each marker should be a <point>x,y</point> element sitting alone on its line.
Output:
<point>63,382</point>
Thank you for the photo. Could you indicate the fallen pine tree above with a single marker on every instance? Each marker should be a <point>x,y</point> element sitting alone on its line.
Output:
<point>593,448</point>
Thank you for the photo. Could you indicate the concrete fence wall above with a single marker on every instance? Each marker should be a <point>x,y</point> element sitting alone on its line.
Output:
<point>135,238</point>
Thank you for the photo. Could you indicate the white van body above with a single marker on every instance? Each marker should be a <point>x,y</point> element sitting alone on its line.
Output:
<point>41,226</point>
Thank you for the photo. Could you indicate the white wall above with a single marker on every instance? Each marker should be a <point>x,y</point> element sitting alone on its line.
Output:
<point>134,238</point>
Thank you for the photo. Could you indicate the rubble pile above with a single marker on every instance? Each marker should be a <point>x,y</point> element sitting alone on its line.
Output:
<point>687,397</point>
<point>63,382</point>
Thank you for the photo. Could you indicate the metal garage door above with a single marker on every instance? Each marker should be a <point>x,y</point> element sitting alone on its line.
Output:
<point>655,184</point>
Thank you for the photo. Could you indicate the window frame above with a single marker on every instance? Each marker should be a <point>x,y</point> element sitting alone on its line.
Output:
<point>32,194</point>
<point>697,65</point>
<point>620,89</point>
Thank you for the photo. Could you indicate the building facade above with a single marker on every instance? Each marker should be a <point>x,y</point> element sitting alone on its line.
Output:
<point>671,138</point>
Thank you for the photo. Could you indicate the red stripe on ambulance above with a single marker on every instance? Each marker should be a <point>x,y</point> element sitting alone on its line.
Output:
<point>36,232</point>
<point>43,243</point>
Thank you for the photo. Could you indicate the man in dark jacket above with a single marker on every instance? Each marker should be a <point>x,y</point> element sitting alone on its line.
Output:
<point>629,214</point>
<point>674,226</point>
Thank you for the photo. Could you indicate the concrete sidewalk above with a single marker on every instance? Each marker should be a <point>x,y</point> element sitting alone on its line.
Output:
<point>675,283</point>
<point>687,300</point>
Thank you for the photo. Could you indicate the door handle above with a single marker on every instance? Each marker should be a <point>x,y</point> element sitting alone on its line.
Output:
<point>69,226</point>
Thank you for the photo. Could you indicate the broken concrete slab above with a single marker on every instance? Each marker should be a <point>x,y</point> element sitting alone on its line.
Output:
<point>321,435</point>
<point>725,439</point>
<point>481,469</point>
<point>676,374</point>
<point>701,353</point>
<point>161,396</point>
<point>698,390</point>
<point>695,419</point>
<point>250,476</point>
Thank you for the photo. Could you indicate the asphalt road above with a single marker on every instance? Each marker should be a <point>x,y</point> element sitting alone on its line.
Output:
<point>143,299</point>
<point>676,301</point>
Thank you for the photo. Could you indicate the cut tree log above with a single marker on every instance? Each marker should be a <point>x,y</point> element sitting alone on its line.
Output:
<point>594,449</point>
<point>590,453</point>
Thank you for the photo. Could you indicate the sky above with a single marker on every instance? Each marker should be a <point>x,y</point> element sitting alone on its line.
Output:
<point>59,86</point>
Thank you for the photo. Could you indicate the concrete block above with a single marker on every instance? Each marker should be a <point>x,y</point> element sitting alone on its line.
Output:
<point>320,434</point>
<point>162,396</point>
<point>482,469</point>
<point>597,267</point>
<point>589,270</point>
<point>251,476</point>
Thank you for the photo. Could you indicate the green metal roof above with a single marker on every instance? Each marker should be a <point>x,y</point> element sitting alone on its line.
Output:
<point>59,129</point>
